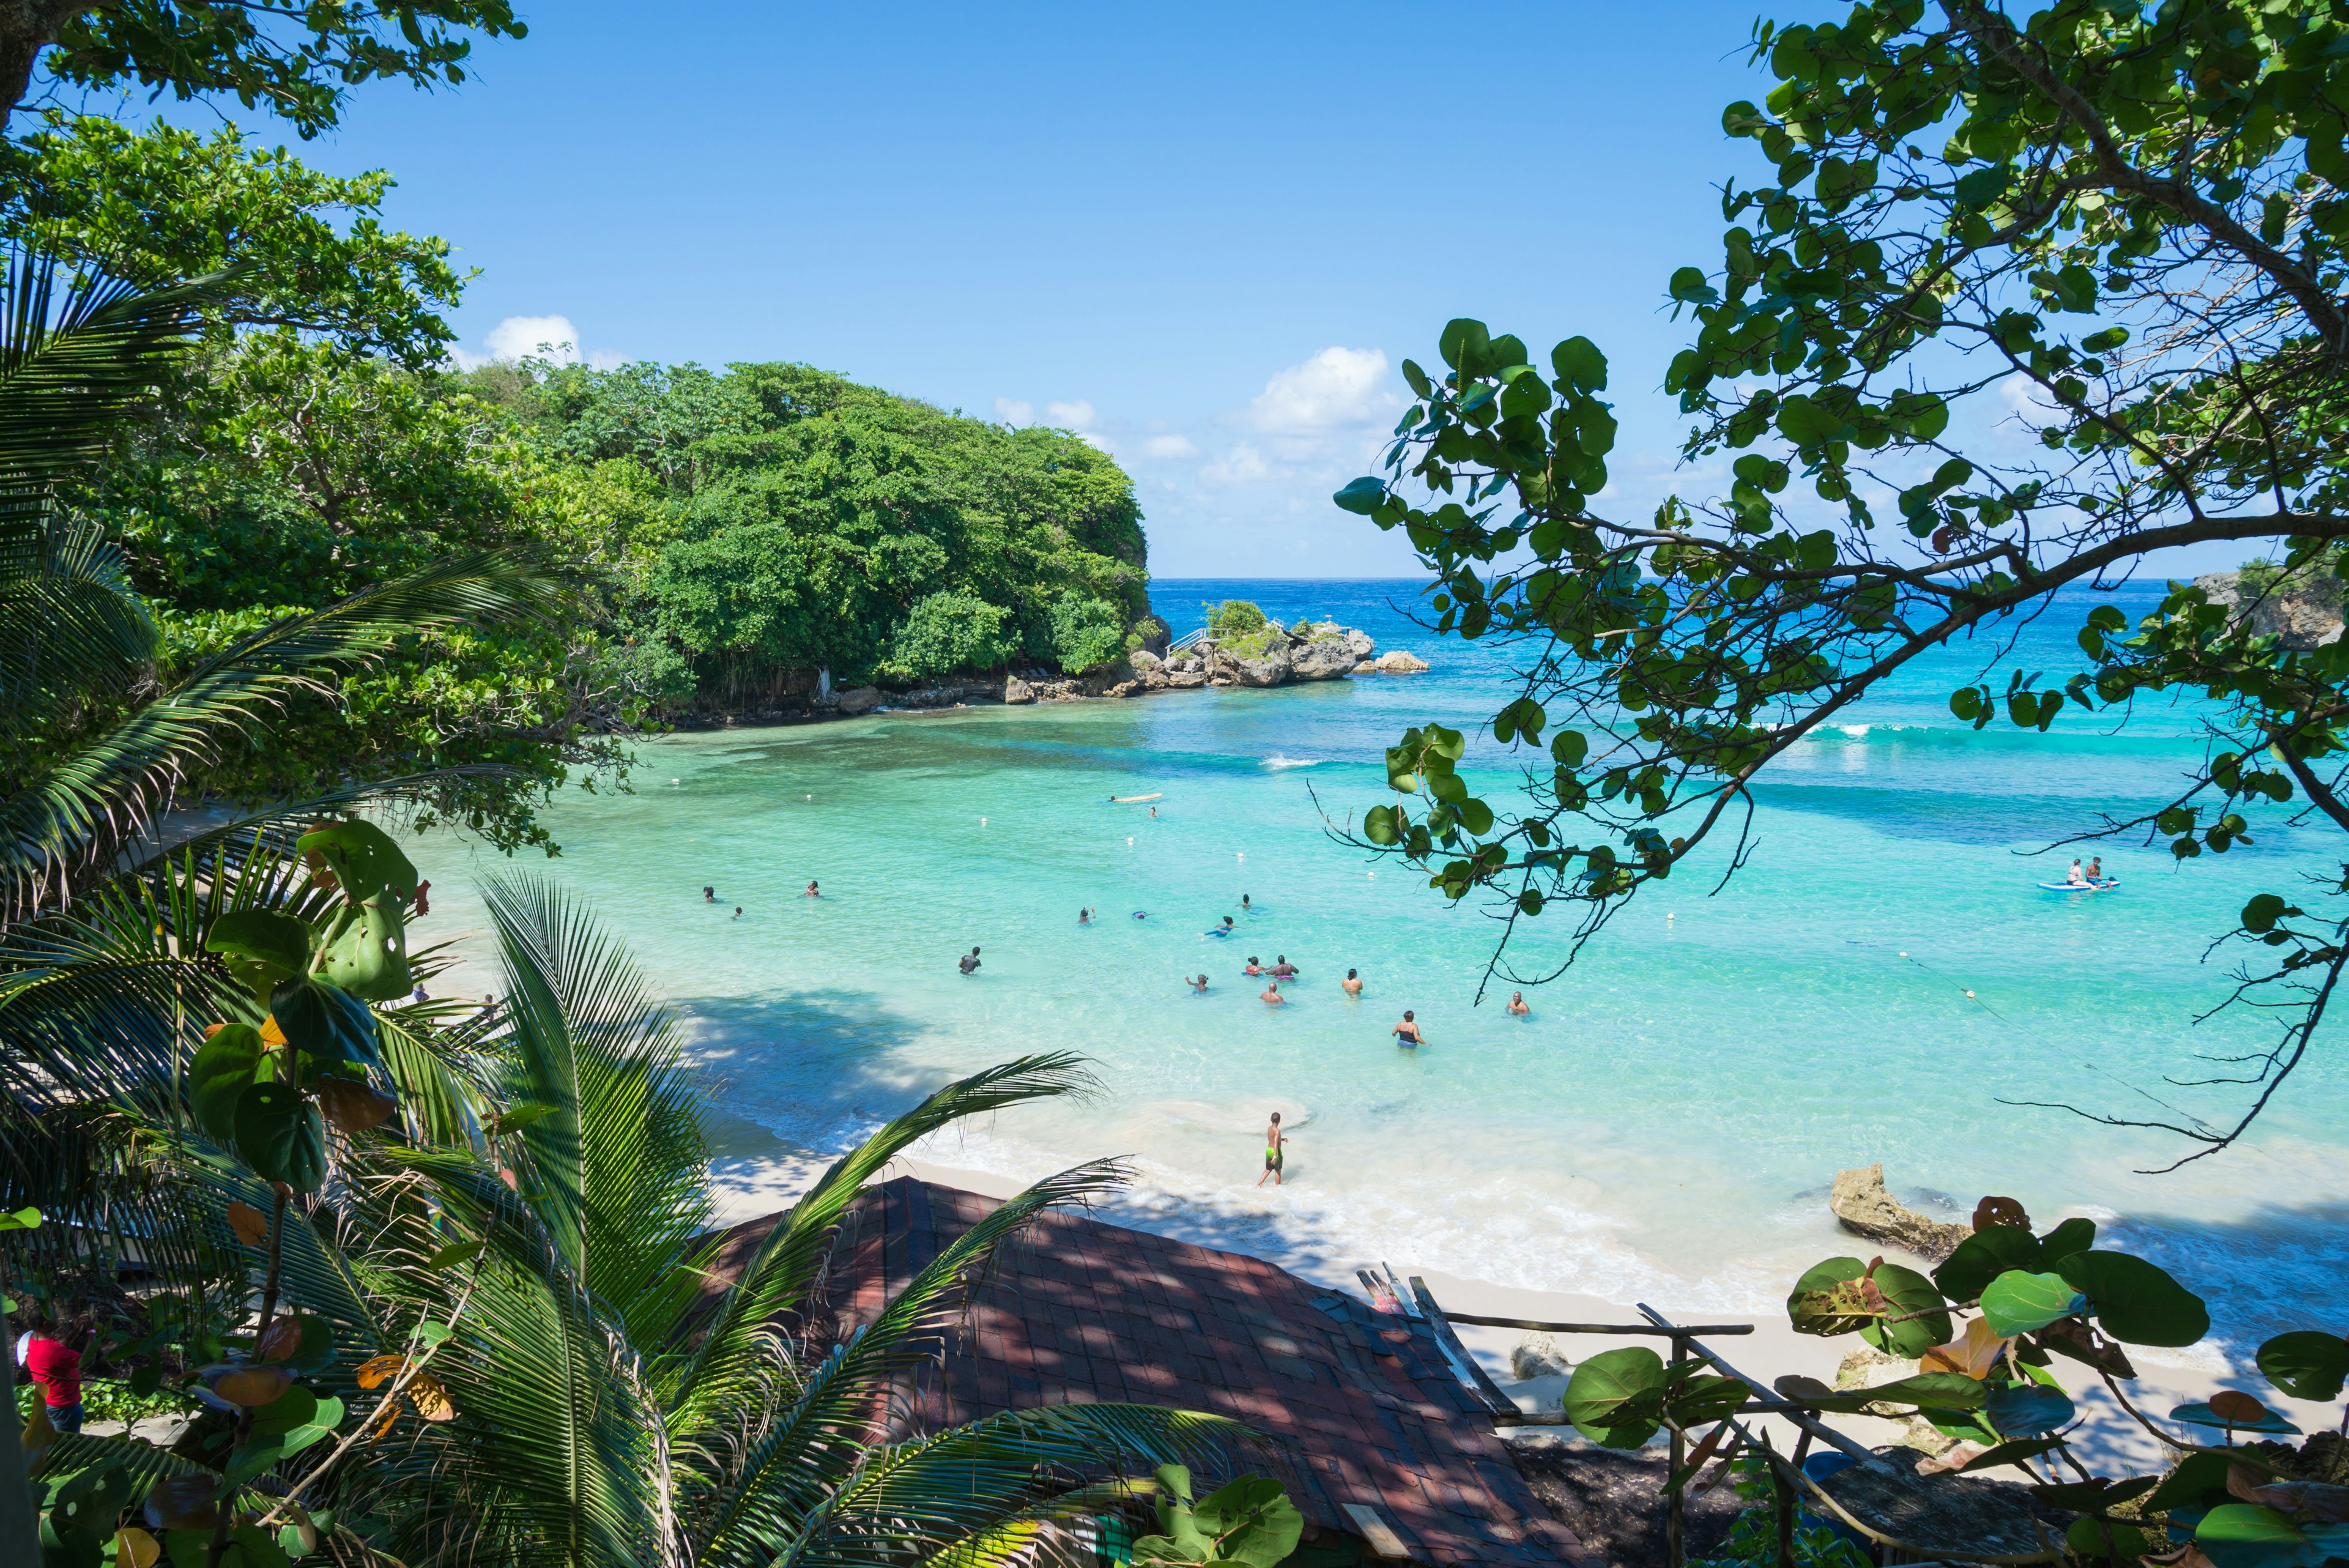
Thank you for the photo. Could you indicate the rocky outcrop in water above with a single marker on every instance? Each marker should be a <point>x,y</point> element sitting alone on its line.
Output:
<point>1395,662</point>
<point>2301,612</point>
<point>1865,1207</point>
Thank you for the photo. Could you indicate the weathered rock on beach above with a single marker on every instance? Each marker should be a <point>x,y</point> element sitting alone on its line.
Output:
<point>1395,662</point>
<point>1866,1209</point>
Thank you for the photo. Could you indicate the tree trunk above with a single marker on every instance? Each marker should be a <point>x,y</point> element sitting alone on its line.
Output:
<point>27,28</point>
<point>17,1521</point>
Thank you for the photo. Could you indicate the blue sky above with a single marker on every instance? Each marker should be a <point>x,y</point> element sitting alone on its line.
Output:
<point>1204,235</point>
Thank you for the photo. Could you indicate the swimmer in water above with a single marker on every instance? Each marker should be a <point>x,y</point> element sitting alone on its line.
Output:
<point>1407,1032</point>
<point>737,912</point>
<point>1352,984</point>
<point>1245,908</point>
<point>1199,986</point>
<point>1517,1007</point>
<point>1142,914</point>
<point>1153,811</point>
<point>1282,967</point>
<point>710,895</point>
<point>968,962</point>
<point>1252,968</point>
<point>1227,925</point>
<point>812,892</point>
<point>1272,995</point>
<point>1084,917</point>
<point>1273,1157</point>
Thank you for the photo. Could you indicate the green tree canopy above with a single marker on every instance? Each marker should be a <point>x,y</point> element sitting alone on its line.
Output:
<point>2137,217</point>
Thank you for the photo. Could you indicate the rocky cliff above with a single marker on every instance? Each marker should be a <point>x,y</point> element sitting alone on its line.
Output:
<point>2302,611</point>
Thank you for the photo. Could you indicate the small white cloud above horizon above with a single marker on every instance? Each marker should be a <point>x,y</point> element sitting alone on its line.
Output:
<point>548,338</point>
<point>1336,390</point>
<point>1014,411</point>
<point>1078,415</point>
<point>1169,446</point>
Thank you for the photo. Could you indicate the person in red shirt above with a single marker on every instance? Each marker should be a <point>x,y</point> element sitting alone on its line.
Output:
<point>55,1365</point>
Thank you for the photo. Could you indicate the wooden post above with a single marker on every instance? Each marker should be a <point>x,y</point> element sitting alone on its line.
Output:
<point>1782,1492</point>
<point>1675,1511</point>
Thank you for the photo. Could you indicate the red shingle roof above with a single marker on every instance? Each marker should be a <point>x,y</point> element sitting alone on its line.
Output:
<point>1362,1408</point>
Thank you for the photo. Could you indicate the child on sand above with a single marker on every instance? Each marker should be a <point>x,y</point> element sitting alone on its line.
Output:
<point>1273,1158</point>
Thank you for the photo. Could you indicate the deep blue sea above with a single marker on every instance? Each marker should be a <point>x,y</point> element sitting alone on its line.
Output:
<point>1872,985</point>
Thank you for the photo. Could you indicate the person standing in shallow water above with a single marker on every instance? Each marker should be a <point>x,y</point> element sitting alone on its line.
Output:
<point>1518,1008</point>
<point>1407,1032</point>
<point>968,962</point>
<point>1352,984</point>
<point>1273,1157</point>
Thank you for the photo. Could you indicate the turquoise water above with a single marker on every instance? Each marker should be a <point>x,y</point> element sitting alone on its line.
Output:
<point>1662,1128</point>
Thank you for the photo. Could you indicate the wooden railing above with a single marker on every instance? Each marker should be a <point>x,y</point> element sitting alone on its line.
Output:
<point>1687,1344</point>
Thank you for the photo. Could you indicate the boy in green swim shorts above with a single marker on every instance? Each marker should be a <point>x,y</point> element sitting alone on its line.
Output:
<point>1273,1138</point>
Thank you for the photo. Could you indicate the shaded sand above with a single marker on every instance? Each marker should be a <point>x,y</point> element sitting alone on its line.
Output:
<point>756,1172</point>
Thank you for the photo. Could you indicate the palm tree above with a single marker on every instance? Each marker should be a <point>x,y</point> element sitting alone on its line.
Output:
<point>546,1295</point>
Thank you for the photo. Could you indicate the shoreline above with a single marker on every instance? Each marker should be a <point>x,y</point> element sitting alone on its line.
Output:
<point>756,1172</point>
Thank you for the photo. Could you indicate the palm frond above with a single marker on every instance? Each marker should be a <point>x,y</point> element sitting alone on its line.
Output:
<point>620,1167</point>
<point>78,627</point>
<point>727,1362</point>
<point>800,1462</point>
<point>71,818</point>
<point>989,1483</point>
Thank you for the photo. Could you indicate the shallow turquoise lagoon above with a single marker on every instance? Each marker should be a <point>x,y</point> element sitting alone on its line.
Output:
<point>1663,1125</point>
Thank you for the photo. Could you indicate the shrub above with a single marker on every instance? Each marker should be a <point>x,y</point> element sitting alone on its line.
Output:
<point>1234,618</point>
<point>949,631</point>
<point>1086,632</point>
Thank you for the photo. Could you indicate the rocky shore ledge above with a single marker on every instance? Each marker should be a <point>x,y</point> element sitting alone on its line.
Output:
<point>1270,656</point>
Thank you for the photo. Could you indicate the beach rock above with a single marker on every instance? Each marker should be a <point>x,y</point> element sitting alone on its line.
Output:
<point>864,700</point>
<point>1359,643</point>
<point>1123,689</point>
<point>1155,681</point>
<point>2301,614</point>
<point>1866,1209</point>
<point>1395,661</point>
<point>1323,659</point>
<point>1016,690</point>
<point>1189,679</point>
<point>1539,1355</point>
<point>1273,670</point>
<point>1144,661</point>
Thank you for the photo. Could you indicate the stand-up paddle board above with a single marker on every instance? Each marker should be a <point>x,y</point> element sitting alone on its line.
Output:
<point>1135,799</point>
<point>2106,886</point>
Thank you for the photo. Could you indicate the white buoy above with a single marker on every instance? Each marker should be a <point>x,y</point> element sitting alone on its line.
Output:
<point>982,821</point>
<point>810,797</point>
<point>676,781</point>
<point>1970,993</point>
<point>1242,853</point>
<point>1671,917</point>
<point>1129,843</point>
<point>1904,955</point>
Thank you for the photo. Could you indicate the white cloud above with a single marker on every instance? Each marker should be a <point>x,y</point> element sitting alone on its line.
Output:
<point>535,338</point>
<point>1012,411</point>
<point>1074,416</point>
<point>1169,446</point>
<point>1241,465</point>
<point>1336,390</point>
<point>2030,401</point>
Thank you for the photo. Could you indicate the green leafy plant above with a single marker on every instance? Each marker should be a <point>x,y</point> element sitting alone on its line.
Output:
<point>1245,1523</point>
<point>1955,206</point>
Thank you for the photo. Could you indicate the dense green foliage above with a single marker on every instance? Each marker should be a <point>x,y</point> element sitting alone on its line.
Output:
<point>794,521</point>
<point>2138,220</point>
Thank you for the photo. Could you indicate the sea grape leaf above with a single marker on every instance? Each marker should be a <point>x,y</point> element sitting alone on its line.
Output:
<point>1999,1454</point>
<point>2017,1302</point>
<point>1975,1354</point>
<point>2107,1539</point>
<point>2071,1236</point>
<point>1617,1397</point>
<point>323,1023</point>
<point>2198,1482</point>
<point>2136,1302</point>
<point>364,859</point>
<point>369,959</point>
<point>2246,1535</point>
<point>225,1067</point>
<point>2027,1410</point>
<point>282,1137</point>
<point>2305,1363</point>
<point>1832,1298</point>
<point>1252,1521</point>
<point>2200,1414</point>
<point>1983,1257</point>
<point>261,947</point>
<point>1917,1320</point>
<point>2070,1336</point>
<point>2094,1494</point>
